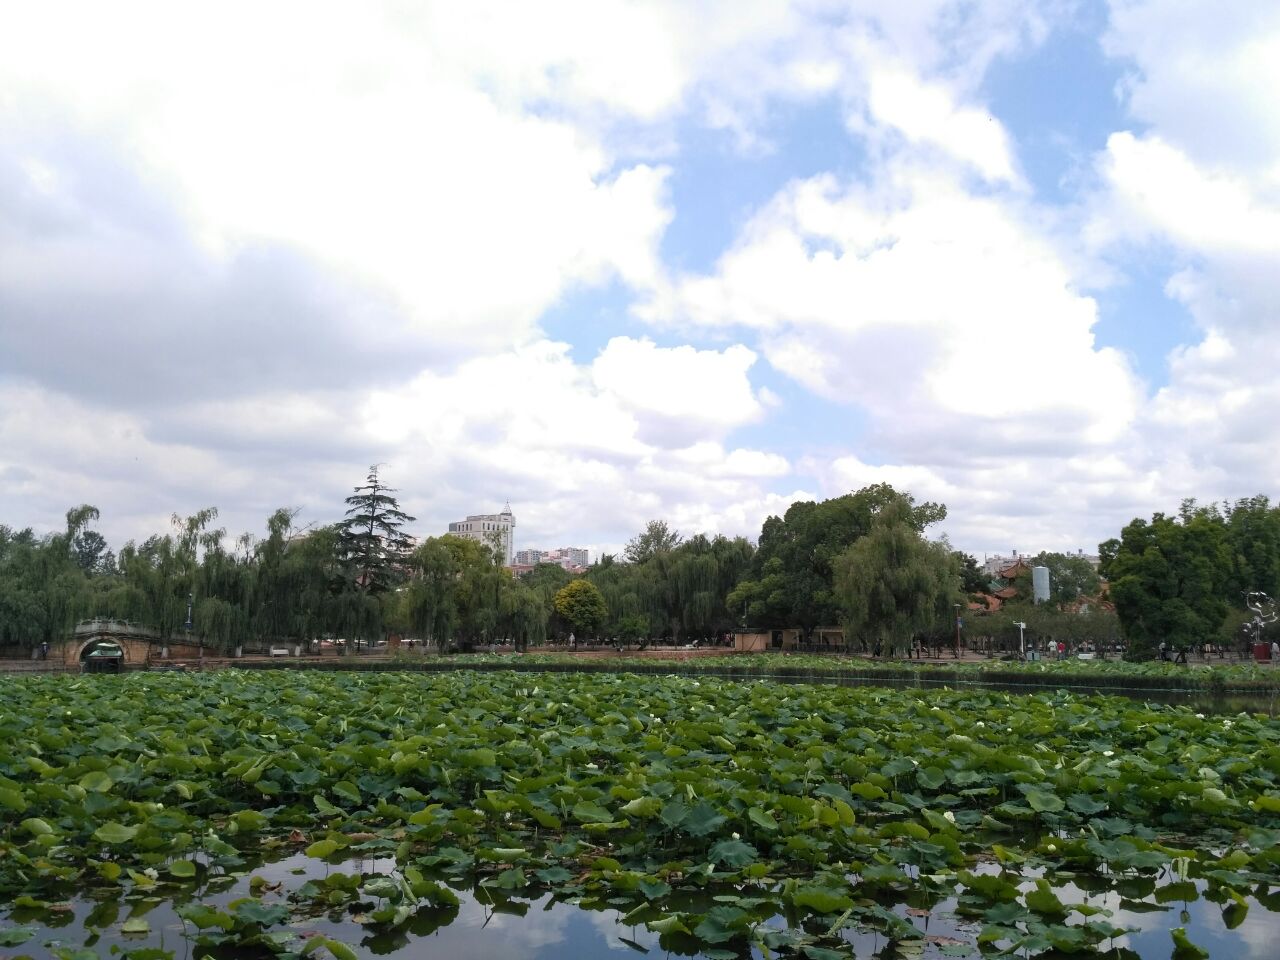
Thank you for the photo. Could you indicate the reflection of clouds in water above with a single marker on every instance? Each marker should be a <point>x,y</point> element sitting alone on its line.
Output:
<point>1262,934</point>
<point>505,935</point>
<point>565,932</point>
<point>608,924</point>
<point>1255,939</point>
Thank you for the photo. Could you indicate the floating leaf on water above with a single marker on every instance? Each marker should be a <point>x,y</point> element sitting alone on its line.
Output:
<point>115,833</point>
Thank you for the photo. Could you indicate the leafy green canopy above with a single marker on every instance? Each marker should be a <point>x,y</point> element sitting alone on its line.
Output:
<point>1168,580</point>
<point>1176,578</point>
<point>45,584</point>
<point>582,605</point>
<point>791,583</point>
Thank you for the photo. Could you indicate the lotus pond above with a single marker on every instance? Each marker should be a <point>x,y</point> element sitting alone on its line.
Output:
<point>239,814</point>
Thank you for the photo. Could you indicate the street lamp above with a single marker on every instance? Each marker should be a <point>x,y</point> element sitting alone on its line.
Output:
<point>1022,647</point>
<point>958,625</point>
<point>188,625</point>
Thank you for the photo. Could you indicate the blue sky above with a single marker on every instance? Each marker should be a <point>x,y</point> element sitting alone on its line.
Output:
<point>620,262</point>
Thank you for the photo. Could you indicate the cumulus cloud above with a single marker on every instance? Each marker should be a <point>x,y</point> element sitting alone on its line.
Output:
<point>1203,76</point>
<point>936,309</point>
<point>603,440</point>
<point>926,113</point>
<point>375,157</point>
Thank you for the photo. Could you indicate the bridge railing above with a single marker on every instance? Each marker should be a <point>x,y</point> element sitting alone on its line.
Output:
<point>123,627</point>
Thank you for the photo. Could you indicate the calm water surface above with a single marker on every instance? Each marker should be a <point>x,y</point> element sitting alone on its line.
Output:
<point>542,928</point>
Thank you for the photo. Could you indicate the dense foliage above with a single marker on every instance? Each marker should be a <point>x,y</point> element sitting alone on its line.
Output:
<point>816,806</point>
<point>1175,579</point>
<point>792,573</point>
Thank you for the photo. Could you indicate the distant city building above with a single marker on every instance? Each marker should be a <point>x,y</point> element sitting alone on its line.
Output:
<point>495,529</point>
<point>571,558</point>
<point>996,565</point>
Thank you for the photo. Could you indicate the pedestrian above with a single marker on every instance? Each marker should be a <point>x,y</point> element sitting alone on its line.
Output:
<point>1164,651</point>
<point>875,651</point>
<point>44,649</point>
<point>1062,650</point>
<point>1275,649</point>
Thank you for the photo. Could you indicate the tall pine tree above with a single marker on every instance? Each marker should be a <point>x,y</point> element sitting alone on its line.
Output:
<point>370,539</point>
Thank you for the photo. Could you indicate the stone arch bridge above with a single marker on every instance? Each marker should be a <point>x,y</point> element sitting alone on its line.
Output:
<point>139,643</point>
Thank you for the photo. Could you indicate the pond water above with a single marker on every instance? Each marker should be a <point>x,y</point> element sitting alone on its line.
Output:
<point>486,924</point>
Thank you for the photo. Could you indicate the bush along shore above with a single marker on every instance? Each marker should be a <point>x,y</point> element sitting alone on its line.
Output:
<point>1243,678</point>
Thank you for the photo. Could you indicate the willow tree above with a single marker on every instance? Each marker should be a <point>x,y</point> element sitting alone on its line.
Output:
<point>454,592</point>
<point>892,583</point>
<point>697,578</point>
<point>633,595</point>
<point>429,601</point>
<point>524,614</point>
<point>43,591</point>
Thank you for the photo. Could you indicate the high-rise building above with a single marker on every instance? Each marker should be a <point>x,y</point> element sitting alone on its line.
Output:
<point>495,529</point>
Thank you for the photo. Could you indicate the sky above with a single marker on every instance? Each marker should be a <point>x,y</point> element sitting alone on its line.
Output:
<point>614,261</point>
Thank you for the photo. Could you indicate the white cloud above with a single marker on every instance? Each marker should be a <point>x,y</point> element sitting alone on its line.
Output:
<point>1203,77</point>
<point>366,147</point>
<point>634,435</point>
<point>926,112</point>
<point>934,309</point>
<point>1157,192</point>
<point>674,389</point>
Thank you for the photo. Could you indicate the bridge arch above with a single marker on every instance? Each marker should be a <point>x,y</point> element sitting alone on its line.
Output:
<point>86,648</point>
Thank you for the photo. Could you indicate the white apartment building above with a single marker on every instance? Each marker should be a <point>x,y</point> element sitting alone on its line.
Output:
<point>494,529</point>
<point>571,558</point>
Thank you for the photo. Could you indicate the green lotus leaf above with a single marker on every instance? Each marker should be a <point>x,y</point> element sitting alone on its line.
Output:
<point>323,848</point>
<point>13,936</point>
<point>115,833</point>
<point>96,782</point>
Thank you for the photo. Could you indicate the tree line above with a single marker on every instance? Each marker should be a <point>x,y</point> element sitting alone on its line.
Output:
<point>863,561</point>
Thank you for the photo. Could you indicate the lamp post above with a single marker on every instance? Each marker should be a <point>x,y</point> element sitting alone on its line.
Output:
<point>958,625</point>
<point>188,625</point>
<point>1022,647</point>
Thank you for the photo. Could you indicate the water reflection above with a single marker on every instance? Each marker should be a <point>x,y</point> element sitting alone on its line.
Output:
<point>488,924</point>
